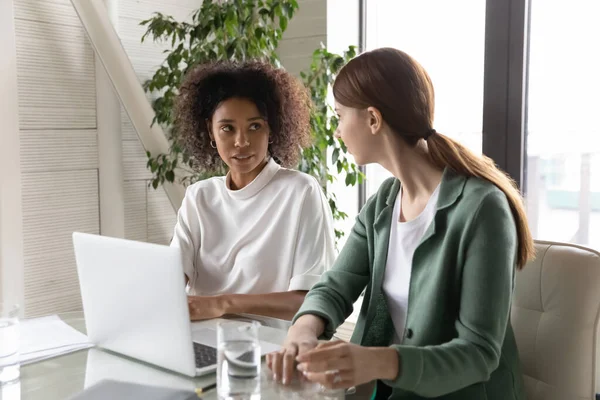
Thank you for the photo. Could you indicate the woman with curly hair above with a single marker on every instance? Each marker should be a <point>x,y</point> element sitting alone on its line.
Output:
<point>256,240</point>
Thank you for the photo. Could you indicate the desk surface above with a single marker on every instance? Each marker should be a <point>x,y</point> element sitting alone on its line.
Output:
<point>62,377</point>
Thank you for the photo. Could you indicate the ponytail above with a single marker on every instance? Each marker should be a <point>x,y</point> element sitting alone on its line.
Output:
<point>445,152</point>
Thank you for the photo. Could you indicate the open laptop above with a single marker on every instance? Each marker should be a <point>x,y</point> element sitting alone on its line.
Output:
<point>135,304</point>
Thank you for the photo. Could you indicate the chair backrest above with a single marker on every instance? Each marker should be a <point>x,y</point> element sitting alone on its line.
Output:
<point>555,317</point>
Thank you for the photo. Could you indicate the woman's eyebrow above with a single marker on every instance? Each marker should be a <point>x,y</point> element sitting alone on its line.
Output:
<point>227,120</point>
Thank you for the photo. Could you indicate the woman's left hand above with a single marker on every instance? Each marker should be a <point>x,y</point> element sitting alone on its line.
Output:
<point>338,364</point>
<point>205,307</point>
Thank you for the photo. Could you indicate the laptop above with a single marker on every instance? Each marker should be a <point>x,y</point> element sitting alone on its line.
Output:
<point>135,304</point>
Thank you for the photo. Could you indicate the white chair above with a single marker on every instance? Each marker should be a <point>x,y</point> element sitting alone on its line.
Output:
<point>555,316</point>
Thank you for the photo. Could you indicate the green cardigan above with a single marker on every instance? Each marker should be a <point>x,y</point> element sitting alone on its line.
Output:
<point>458,342</point>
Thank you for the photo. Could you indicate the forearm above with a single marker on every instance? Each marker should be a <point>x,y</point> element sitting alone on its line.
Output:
<point>283,305</point>
<point>436,370</point>
<point>327,304</point>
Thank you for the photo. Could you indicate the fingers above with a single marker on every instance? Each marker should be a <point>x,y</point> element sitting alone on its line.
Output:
<point>333,342</point>
<point>277,364</point>
<point>289,363</point>
<point>195,311</point>
<point>324,352</point>
<point>282,363</point>
<point>332,379</point>
<point>331,364</point>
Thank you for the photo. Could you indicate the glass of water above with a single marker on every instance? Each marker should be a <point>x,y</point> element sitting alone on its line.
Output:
<point>9,343</point>
<point>238,360</point>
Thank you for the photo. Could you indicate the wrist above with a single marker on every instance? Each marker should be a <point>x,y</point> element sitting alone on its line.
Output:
<point>311,324</point>
<point>387,362</point>
<point>225,304</point>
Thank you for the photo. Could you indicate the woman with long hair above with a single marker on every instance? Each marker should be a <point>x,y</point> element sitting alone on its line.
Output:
<point>437,249</point>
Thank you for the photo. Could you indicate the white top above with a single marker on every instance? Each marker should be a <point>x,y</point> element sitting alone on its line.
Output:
<point>404,239</point>
<point>274,235</point>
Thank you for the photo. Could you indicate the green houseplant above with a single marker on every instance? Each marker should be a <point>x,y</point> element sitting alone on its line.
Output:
<point>238,30</point>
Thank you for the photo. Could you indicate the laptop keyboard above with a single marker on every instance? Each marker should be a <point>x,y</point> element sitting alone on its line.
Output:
<point>205,355</point>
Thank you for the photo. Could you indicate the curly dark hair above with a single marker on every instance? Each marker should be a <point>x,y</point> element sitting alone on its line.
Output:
<point>280,98</point>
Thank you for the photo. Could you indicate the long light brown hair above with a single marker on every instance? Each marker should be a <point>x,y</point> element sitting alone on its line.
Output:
<point>400,88</point>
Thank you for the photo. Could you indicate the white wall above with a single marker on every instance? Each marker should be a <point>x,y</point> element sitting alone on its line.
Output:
<point>58,149</point>
<point>305,33</point>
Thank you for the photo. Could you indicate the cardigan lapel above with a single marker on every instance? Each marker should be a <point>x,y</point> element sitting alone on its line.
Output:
<point>451,188</point>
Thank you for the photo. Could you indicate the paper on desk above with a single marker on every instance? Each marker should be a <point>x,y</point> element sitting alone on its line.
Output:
<point>47,337</point>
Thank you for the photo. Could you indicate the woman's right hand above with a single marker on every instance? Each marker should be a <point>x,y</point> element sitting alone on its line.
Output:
<point>300,339</point>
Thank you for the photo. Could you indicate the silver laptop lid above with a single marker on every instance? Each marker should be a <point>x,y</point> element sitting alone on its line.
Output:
<point>134,300</point>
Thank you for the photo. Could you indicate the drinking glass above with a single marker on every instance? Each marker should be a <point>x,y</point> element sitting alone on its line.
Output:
<point>238,360</point>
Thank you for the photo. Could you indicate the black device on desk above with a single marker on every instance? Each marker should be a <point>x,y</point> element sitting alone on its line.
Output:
<point>115,390</point>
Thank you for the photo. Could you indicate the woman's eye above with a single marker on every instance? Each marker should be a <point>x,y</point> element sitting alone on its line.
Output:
<point>255,127</point>
<point>227,128</point>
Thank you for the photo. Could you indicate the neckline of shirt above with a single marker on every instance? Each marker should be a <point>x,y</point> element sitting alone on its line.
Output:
<point>415,221</point>
<point>261,180</point>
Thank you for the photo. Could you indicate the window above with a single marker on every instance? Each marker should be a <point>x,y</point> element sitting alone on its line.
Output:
<point>343,31</point>
<point>562,131</point>
<point>450,49</point>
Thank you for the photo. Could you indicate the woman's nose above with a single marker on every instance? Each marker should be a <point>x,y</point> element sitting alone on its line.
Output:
<point>241,140</point>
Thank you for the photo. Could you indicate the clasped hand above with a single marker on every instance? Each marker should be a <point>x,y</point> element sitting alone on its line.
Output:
<point>334,364</point>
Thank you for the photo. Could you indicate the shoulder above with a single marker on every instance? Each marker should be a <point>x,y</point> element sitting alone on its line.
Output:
<point>483,206</point>
<point>296,180</point>
<point>481,194</point>
<point>204,187</point>
<point>386,192</point>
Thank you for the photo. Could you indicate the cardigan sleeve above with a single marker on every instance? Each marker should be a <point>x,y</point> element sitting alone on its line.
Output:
<point>485,300</point>
<point>333,297</point>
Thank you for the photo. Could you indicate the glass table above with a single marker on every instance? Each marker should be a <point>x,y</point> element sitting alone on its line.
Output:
<point>62,377</point>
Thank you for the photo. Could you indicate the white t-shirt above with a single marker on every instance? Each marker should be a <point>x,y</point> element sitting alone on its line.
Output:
<point>274,235</point>
<point>404,239</point>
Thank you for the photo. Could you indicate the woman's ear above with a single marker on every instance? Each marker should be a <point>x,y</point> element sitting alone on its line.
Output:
<point>208,129</point>
<point>375,120</point>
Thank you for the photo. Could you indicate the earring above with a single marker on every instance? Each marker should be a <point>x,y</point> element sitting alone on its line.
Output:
<point>213,144</point>
<point>271,141</point>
